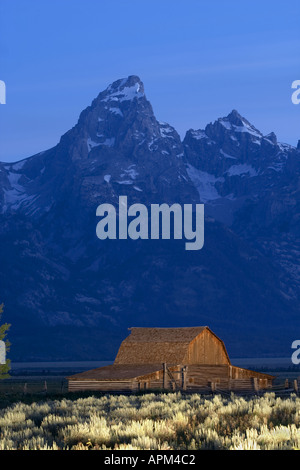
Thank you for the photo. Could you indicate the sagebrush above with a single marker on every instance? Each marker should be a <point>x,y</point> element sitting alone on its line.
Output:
<point>155,422</point>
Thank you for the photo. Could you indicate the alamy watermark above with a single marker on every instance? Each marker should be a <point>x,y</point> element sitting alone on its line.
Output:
<point>136,222</point>
<point>296,94</point>
<point>296,354</point>
<point>2,92</point>
<point>2,353</point>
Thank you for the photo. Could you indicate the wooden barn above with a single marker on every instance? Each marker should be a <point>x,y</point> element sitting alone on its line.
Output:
<point>170,358</point>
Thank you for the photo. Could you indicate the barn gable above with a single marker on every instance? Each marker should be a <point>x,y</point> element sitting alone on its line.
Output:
<point>190,345</point>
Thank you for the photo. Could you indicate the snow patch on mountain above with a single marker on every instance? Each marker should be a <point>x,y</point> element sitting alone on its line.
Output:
<point>242,169</point>
<point>126,182</point>
<point>116,111</point>
<point>227,156</point>
<point>245,127</point>
<point>125,94</point>
<point>108,142</point>
<point>166,130</point>
<point>131,172</point>
<point>198,135</point>
<point>204,183</point>
<point>91,144</point>
<point>16,196</point>
<point>16,166</point>
<point>285,147</point>
<point>278,167</point>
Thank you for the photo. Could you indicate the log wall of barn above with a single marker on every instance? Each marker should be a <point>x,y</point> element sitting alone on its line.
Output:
<point>225,377</point>
<point>81,385</point>
<point>198,377</point>
<point>206,349</point>
<point>151,381</point>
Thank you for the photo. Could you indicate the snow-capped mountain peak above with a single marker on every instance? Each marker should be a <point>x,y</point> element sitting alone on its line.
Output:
<point>125,89</point>
<point>234,122</point>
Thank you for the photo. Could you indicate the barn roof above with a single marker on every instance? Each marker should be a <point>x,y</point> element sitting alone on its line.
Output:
<point>118,372</point>
<point>161,335</point>
<point>157,345</point>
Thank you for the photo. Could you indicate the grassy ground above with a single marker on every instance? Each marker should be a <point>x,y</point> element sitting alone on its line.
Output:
<point>155,421</point>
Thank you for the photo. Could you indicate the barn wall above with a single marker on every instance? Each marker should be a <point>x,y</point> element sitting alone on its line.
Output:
<point>239,373</point>
<point>100,385</point>
<point>158,381</point>
<point>206,349</point>
<point>154,380</point>
<point>199,377</point>
<point>225,377</point>
<point>202,375</point>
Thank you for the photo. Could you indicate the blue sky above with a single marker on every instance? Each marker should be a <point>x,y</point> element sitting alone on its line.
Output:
<point>198,60</point>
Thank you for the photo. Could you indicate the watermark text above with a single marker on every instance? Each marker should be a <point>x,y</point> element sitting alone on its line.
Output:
<point>2,92</point>
<point>2,353</point>
<point>162,222</point>
<point>296,94</point>
<point>296,354</point>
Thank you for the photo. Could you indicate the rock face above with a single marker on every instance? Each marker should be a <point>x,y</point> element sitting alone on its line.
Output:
<point>71,296</point>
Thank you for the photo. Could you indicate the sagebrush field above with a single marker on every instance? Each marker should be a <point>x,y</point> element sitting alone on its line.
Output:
<point>153,421</point>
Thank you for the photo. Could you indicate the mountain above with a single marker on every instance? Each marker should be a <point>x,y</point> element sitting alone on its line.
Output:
<point>70,296</point>
<point>232,160</point>
<point>116,143</point>
<point>251,183</point>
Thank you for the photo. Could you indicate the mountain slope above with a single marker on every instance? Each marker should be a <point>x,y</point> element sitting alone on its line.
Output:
<point>71,296</point>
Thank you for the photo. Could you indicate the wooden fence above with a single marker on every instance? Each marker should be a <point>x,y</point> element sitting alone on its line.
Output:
<point>56,387</point>
<point>33,387</point>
